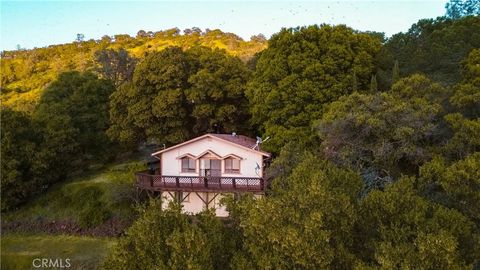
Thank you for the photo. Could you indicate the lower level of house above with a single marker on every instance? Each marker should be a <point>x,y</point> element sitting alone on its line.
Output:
<point>195,202</point>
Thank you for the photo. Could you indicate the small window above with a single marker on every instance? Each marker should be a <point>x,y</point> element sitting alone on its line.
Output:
<point>232,165</point>
<point>188,164</point>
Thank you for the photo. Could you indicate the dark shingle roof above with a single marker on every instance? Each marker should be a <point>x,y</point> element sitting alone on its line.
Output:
<point>237,139</point>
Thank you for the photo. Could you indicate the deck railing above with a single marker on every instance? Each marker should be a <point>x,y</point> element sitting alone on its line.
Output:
<point>198,183</point>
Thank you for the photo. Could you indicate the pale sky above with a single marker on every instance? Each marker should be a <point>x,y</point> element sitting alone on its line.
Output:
<point>38,23</point>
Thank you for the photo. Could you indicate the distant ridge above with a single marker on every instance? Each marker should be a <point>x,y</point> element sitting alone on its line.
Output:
<point>25,73</point>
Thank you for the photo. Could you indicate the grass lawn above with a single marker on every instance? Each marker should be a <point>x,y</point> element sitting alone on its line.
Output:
<point>19,251</point>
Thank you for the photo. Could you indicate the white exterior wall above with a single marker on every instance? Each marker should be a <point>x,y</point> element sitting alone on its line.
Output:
<point>171,165</point>
<point>194,205</point>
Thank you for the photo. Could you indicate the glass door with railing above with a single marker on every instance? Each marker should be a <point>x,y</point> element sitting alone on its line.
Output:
<point>210,168</point>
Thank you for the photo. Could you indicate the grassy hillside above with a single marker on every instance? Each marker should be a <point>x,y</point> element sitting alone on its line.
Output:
<point>54,225</point>
<point>87,202</point>
<point>18,251</point>
<point>24,73</point>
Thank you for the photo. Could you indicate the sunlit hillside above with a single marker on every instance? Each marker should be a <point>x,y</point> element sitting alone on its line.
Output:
<point>25,73</point>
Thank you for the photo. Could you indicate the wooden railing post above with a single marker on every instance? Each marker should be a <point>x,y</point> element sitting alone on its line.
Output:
<point>262,184</point>
<point>177,183</point>
<point>234,184</point>
<point>151,180</point>
<point>205,179</point>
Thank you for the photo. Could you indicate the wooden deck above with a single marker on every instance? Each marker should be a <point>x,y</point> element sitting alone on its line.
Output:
<point>198,183</point>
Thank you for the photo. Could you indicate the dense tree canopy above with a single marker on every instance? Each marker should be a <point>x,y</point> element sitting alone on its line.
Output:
<point>177,94</point>
<point>19,141</point>
<point>25,73</point>
<point>302,69</point>
<point>65,132</point>
<point>382,133</point>
<point>377,141</point>
<point>306,224</point>
<point>400,229</point>
<point>434,47</point>
<point>116,66</point>
<point>168,239</point>
<point>466,97</point>
<point>72,118</point>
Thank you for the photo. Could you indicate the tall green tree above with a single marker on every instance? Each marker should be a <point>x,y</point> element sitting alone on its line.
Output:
<point>380,134</point>
<point>114,65</point>
<point>178,94</point>
<point>455,184</point>
<point>466,96</point>
<point>306,224</point>
<point>464,121</point>
<point>400,229</point>
<point>395,72</point>
<point>168,239</point>
<point>373,84</point>
<point>155,104</point>
<point>217,92</point>
<point>301,70</point>
<point>434,47</point>
<point>73,118</point>
<point>19,143</point>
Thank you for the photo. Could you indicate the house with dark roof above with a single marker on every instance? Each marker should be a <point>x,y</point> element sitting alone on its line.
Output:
<point>199,172</point>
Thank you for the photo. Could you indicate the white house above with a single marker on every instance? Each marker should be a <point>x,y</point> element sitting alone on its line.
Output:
<point>200,171</point>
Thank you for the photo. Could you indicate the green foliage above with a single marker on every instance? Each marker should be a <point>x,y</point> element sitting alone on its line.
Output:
<point>116,66</point>
<point>318,213</point>
<point>306,224</point>
<point>459,181</point>
<point>93,212</point>
<point>465,138</point>
<point>290,156</point>
<point>18,251</point>
<point>434,47</point>
<point>26,73</point>
<point>380,131</point>
<point>466,97</point>
<point>167,239</point>
<point>93,215</point>
<point>18,159</point>
<point>373,84</point>
<point>176,94</point>
<point>303,69</point>
<point>399,229</point>
<point>460,8</point>
<point>395,72</point>
<point>72,117</point>
<point>418,86</point>
<point>108,190</point>
<point>217,92</point>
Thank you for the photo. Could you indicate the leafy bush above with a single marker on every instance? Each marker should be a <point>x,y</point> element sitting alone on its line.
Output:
<point>168,239</point>
<point>93,210</point>
<point>94,214</point>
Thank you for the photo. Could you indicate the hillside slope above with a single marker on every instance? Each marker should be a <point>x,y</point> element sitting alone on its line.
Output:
<point>25,73</point>
<point>100,203</point>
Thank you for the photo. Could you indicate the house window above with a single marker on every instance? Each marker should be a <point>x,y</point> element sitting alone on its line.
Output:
<point>188,164</point>
<point>232,165</point>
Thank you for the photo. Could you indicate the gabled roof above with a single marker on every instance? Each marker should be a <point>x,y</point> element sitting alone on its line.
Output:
<point>186,155</point>
<point>238,140</point>
<point>209,152</point>
<point>232,156</point>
